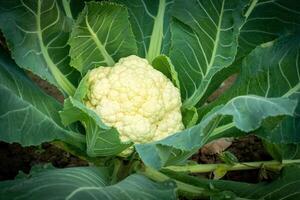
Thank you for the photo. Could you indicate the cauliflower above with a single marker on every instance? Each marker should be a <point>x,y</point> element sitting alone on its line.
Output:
<point>139,101</point>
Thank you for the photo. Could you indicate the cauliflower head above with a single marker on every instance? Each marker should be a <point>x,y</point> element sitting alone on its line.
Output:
<point>139,101</point>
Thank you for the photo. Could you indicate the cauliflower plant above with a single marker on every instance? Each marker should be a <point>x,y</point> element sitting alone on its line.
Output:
<point>139,101</point>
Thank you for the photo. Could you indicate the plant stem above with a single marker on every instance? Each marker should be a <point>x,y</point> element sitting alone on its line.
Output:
<point>251,7</point>
<point>181,187</point>
<point>117,166</point>
<point>204,168</point>
<point>221,129</point>
<point>157,32</point>
<point>66,6</point>
<point>292,90</point>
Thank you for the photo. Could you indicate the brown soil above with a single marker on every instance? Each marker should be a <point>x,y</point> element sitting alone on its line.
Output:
<point>15,158</point>
<point>246,149</point>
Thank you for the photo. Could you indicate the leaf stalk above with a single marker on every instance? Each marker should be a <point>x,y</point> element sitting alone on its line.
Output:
<point>157,33</point>
<point>182,188</point>
<point>66,6</point>
<point>250,9</point>
<point>204,168</point>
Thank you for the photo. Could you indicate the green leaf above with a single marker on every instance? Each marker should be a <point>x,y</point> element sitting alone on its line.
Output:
<point>282,18</point>
<point>101,36</point>
<point>189,117</point>
<point>287,130</point>
<point>84,183</point>
<point>28,115</point>
<point>248,113</point>
<point>271,70</point>
<point>37,33</point>
<point>283,151</point>
<point>150,20</point>
<point>163,64</point>
<point>204,41</point>
<point>286,186</point>
<point>101,140</point>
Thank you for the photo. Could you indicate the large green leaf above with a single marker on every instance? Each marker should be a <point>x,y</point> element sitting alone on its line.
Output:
<point>37,32</point>
<point>283,142</point>
<point>286,186</point>
<point>101,36</point>
<point>84,183</point>
<point>283,151</point>
<point>271,70</point>
<point>248,113</point>
<point>287,130</point>
<point>204,41</point>
<point>28,115</point>
<point>266,21</point>
<point>150,20</point>
<point>269,55</point>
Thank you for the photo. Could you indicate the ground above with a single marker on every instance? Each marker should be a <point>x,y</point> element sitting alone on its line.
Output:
<point>15,158</point>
